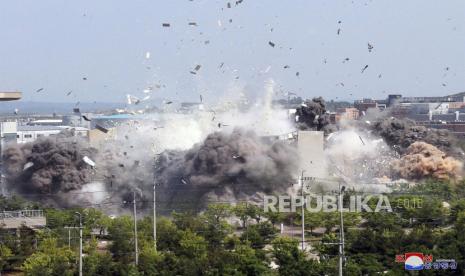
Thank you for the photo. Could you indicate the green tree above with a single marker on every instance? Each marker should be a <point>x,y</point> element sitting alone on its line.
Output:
<point>121,232</point>
<point>291,260</point>
<point>5,254</point>
<point>50,260</point>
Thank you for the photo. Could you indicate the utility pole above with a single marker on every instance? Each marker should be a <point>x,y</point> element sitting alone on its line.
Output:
<point>80,243</point>
<point>341,229</point>
<point>154,215</point>
<point>303,208</point>
<point>136,250</point>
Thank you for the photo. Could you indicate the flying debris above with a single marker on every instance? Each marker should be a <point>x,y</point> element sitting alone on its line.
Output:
<point>364,68</point>
<point>192,24</point>
<point>168,102</point>
<point>286,66</point>
<point>28,165</point>
<point>76,110</point>
<point>271,43</point>
<point>201,99</point>
<point>338,31</point>
<point>297,74</point>
<point>85,118</point>
<point>39,90</point>
<point>361,140</point>
<point>88,161</point>
<point>229,5</point>
<point>16,111</point>
<point>132,99</point>
<point>197,67</point>
<point>345,60</point>
<point>84,78</point>
<point>370,47</point>
<point>206,42</point>
<point>379,76</point>
<point>166,25</point>
<point>101,128</point>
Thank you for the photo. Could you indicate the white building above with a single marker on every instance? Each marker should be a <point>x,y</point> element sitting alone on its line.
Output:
<point>25,134</point>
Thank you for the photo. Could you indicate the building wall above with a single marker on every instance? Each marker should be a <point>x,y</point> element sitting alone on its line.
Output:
<point>311,153</point>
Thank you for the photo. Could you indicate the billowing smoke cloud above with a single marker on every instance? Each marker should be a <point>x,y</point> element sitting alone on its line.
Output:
<point>401,133</point>
<point>312,115</point>
<point>48,165</point>
<point>239,161</point>
<point>423,160</point>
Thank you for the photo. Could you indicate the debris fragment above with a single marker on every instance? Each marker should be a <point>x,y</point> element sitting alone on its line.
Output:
<point>69,93</point>
<point>370,47</point>
<point>88,161</point>
<point>361,140</point>
<point>76,110</point>
<point>192,24</point>
<point>229,5</point>
<point>197,68</point>
<point>132,99</point>
<point>28,165</point>
<point>86,118</point>
<point>101,128</point>
<point>166,25</point>
<point>271,43</point>
<point>39,90</point>
<point>364,68</point>
<point>84,78</point>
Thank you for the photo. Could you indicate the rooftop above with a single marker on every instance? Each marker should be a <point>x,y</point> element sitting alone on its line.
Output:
<point>10,96</point>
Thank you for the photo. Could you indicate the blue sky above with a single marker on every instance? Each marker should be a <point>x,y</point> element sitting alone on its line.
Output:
<point>55,44</point>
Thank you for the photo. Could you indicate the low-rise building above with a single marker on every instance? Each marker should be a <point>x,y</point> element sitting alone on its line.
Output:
<point>27,134</point>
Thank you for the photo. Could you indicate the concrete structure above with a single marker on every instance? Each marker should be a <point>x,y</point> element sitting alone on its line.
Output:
<point>10,96</point>
<point>16,219</point>
<point>310,146</point>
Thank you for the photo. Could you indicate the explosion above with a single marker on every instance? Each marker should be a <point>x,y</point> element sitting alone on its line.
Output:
<point>239,161</point>
<point>48,165</point>
<point>425,160</point>
<point>312,115</point>
<point>401,133</point>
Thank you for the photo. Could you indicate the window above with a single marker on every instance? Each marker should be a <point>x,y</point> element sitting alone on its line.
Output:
<point>27,135</point>
<point>39,135</point>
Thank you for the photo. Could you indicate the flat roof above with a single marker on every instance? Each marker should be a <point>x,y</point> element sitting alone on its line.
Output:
<point>49,128</point>
<point>10,96</point>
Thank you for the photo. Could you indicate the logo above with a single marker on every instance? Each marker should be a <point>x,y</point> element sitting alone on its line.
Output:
<point>420,261</point>
<point>414,261</point>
